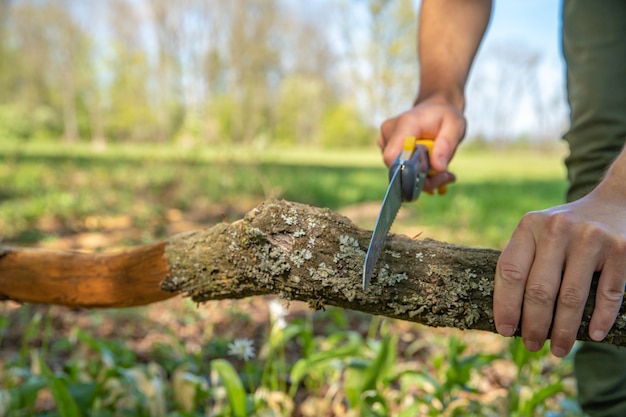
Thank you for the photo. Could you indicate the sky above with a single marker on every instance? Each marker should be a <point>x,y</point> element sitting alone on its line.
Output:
<point>517,84</point>
<point>535,21</point>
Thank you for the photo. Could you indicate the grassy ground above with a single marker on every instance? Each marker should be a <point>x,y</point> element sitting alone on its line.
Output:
<point>179,359</point>
<point>67,191</point>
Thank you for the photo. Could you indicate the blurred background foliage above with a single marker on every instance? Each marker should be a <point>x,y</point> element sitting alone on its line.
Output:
<point>249,71</point>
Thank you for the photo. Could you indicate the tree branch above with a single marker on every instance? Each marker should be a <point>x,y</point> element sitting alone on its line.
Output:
<point>295,251</point>
<point>304,253</point>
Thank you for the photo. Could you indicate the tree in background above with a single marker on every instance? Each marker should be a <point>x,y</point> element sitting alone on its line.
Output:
<point>246,72</point>
<point>392,50</point>
<point>53,53</point>
<point>4,47</point>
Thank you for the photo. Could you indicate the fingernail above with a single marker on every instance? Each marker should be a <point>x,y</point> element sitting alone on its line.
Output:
<point>559,352</point>
<point>506,330</point>
<point>598,335</point>
<point>532,345</point>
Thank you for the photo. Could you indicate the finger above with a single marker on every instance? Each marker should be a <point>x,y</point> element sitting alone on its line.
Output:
<point>572,297</point>
<point>387,128</point>
<point>391,151</point>
<point>380,142</point>
<point>448,138</point>
<point>435,181</point>
<point>393,132</point>
<point>510,280</point>
<point>609,297</point>
<point>541,291</point>
<point>407,125</point>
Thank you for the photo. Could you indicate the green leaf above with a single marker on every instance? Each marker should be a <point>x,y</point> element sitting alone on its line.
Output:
<point>25,395</point>
<point>281,337</point>
<point>234,387</point>
<point>410,411</point>
<point>422,379</point>
<point>106,355</point>
<point>378,368</point>
<point>540,396</point>
<point>84,393</point>
<point>303,366</point>
<point>60,392</point>
<point>369,400</point>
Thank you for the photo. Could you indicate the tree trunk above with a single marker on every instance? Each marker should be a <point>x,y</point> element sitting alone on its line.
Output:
<point>297,252</point>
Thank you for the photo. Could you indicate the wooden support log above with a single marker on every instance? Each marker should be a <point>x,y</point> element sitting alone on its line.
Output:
<point>72,279</point>
<point>295,251</point>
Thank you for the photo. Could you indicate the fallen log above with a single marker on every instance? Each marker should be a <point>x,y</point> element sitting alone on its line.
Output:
<point>291,250</point>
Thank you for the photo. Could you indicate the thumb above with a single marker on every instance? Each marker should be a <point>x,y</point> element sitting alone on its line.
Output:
<point>449,136</point>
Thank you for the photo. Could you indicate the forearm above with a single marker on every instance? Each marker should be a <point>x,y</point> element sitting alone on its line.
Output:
<point>450,32</point>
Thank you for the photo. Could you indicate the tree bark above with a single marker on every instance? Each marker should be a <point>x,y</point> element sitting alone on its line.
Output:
<point>298,252</point>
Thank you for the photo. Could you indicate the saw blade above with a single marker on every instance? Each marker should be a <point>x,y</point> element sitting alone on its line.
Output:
<point>389,210</point>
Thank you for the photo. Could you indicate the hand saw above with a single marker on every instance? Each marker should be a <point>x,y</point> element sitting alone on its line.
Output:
<point>406,180</point>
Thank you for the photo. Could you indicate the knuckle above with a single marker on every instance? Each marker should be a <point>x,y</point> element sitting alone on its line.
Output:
<point>407,122</point>
<point>563,336</point>
<point>558,223</point>
<point>571,297</point>
<point>618,247</point>
<point>530,219</point>
<point>387,127</point>
<point>610,296</point>
<point>511,273</point>
<point>592,233</point>
<point>538,294</point>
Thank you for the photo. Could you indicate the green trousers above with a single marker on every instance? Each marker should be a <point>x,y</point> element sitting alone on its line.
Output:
<point>594,46</point>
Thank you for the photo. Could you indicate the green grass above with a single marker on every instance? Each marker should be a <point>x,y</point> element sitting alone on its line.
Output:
<point>55,361</point>
<point>494,189</point>
<point>67,186</point>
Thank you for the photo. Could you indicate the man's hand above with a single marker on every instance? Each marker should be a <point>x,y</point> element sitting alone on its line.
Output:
<point>430,119</point>
<point>449,33</point>
<point>544,274</point>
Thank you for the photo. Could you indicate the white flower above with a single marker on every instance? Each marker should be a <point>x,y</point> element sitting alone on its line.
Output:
<point>242,348</point>
<point>278,314</point>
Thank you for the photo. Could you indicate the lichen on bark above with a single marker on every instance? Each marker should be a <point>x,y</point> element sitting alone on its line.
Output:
<point>299,252</point>
<point>305,253</point>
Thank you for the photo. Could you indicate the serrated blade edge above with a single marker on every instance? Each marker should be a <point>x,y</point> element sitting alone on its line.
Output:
<point>388,211</point>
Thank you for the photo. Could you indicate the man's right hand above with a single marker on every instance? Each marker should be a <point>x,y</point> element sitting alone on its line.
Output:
<point>449,33</point>
<point>430,119</point>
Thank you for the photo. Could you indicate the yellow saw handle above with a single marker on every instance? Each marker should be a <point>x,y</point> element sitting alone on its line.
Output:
<point>410,143</point>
